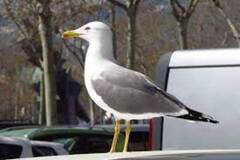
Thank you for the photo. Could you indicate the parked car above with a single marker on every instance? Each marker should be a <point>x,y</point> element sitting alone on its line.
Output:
<point>19,148</point>
<point>77,140</point>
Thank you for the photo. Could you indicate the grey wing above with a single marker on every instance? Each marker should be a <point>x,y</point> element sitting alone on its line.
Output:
<point>128,91</point>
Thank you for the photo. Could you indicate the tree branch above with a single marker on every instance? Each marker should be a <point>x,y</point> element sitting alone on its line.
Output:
<point>192,7</point>
<point>180,6</point>
<point>11,15</point>
<point>137,2</point>
<point>217,4</point>
<point>232,27</point>
<point>27,39</point>
<point>80,60</point>
<point>174,10</point>
<point>119,4</point>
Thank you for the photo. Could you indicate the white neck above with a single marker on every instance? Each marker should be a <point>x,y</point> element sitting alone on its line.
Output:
<point>98,52</point>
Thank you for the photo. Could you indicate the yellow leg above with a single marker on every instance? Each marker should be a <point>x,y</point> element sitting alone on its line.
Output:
<point>127,134</point>
<point>115,137</point>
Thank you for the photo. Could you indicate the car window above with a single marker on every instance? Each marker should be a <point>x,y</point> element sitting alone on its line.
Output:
<point>39,151</point>
<point>82,143</point>
<point>8,151</point>
<point>96,143</point>
<point>90,145</point>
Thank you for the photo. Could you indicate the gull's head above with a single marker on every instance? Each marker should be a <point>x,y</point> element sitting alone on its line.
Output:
<point>90,32</point>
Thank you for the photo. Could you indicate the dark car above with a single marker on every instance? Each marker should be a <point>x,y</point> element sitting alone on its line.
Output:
<point>77,140</point>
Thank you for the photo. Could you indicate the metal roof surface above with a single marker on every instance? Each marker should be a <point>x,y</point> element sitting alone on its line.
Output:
<point>208,57</point>
<point>164,155</point>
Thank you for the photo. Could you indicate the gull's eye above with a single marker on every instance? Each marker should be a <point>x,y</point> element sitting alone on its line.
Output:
<point>87,28</point>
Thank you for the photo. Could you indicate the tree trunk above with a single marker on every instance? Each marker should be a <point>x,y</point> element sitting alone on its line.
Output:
<point>182,34</point>
<point>91,105</point>
<point>16,108</point>
<point>113,23</point>
<point>130,7</point>
<point>182,14</point>
<point>45,32</point>
<point>232,27</point>
<point>131,30</point>
<point>234,30</point>
<point>42,111</point>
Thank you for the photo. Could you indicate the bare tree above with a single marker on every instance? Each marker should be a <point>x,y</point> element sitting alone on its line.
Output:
<point>112,10</point>
<point>131,8</point>
<point>218,4</point>
<point>45,31</point>
<point>182,14</point>
<point>28,40</point>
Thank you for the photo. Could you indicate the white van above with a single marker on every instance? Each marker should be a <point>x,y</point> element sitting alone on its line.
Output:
<point>207,81</point>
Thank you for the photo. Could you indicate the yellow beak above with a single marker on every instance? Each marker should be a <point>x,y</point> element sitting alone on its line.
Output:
<point>70,34</point>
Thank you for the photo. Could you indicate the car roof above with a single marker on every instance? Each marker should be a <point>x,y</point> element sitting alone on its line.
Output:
<point>37,131</point>
<point>16,141</point>
<point>17,132</point>
<point>205,57</point>
<point>32,132</point>
<point>45,143</point>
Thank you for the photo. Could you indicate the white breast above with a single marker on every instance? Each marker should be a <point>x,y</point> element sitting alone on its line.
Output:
<point>90,73</point>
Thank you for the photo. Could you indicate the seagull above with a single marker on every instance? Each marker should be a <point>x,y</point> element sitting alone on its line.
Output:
<point>125,93</point>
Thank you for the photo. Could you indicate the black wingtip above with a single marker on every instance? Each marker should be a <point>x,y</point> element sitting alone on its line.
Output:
<point>192,115</point>
<point>205,117</point>
<point>197,116</point>
<point>213,121</point>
